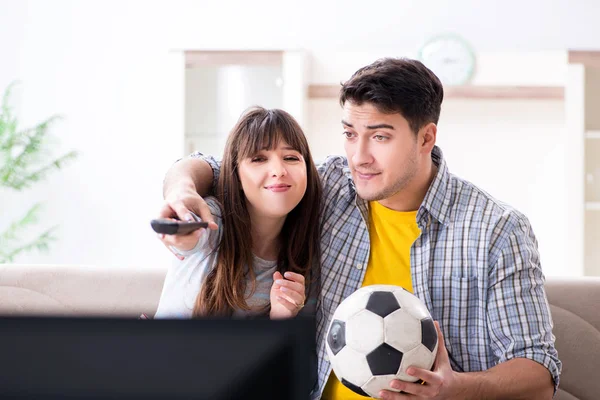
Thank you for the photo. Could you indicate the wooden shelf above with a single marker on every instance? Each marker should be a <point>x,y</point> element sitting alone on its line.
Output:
<point>587,58</point>
<point>592,134</point>
<point>218,58</point>
<point>592,205</point>
<point>466,92</point>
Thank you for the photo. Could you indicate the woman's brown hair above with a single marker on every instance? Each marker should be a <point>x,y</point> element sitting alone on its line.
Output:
<point>225,287</point>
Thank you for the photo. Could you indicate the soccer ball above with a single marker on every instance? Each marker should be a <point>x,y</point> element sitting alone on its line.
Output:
<point>375,334</point>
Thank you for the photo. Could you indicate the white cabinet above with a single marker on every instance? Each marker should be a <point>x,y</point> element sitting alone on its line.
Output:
<point>592,170</point>
<point>583,156</point>
<point>221,85</point>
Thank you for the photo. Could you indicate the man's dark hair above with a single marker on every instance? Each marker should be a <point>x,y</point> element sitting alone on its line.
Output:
<point>397,85</point>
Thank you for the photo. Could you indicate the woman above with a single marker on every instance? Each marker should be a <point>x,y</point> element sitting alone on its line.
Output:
<point>264,257</point>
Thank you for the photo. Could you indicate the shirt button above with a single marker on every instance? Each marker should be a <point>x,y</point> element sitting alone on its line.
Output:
<point>359,266</point>
<point>326,358</point>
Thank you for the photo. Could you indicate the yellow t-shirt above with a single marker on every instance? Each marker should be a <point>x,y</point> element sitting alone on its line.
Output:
<point>392,234</point>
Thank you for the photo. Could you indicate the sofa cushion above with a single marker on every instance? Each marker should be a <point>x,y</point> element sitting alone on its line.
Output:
<point>575,307</point>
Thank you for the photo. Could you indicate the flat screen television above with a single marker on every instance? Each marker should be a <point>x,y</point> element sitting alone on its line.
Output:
<point>101,358</point>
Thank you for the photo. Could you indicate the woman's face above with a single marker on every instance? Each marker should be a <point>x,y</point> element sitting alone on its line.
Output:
<point>274,181</point>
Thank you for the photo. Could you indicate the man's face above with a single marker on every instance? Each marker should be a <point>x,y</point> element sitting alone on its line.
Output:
<point>382,151</point>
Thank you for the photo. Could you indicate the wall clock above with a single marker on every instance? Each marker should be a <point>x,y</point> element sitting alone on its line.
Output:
<point>450,57</point>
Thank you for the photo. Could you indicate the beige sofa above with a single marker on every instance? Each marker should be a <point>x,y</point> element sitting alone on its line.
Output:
<point>79,290</point>
<point>575,307</point>
<point>84,290</point>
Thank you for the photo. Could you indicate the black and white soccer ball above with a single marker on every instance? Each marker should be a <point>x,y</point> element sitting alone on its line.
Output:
<point>375,334</point>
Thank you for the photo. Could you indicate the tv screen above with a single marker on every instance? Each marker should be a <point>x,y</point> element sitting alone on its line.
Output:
<point>100,358</point>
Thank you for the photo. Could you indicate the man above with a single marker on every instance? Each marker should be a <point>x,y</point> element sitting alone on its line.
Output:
<point>393,214</point>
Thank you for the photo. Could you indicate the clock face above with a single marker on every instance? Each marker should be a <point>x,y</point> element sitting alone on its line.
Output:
<point>450,58</point>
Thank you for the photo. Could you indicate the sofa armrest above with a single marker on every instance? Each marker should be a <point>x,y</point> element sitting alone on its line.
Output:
<point>79,290</point>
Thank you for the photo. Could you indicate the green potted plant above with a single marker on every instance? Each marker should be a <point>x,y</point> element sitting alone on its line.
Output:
<point>25,160</point>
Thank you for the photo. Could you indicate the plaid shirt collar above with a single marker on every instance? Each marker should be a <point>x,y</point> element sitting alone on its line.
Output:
<point>438,199</point>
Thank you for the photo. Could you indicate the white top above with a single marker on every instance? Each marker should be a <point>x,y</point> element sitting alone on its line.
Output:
<point>185,278</point>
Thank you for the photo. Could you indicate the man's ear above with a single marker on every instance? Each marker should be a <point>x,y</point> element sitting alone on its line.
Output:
<point>427,137</point>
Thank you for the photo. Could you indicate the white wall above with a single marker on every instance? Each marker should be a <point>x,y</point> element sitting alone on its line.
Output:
<point>514,151</point>
<point>117,89</point>
<point>111,67</point>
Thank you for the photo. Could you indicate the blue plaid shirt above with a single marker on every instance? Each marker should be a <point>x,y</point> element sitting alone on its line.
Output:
<point>476,267</point>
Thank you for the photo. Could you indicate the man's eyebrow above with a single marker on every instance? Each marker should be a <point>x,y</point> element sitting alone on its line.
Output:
<point>378,126</point>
